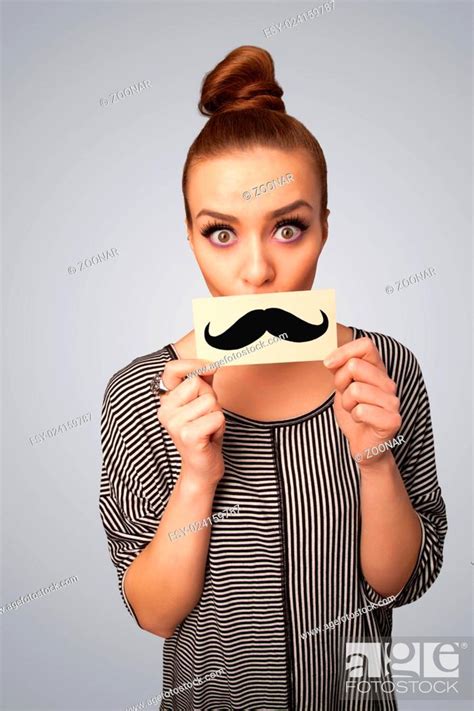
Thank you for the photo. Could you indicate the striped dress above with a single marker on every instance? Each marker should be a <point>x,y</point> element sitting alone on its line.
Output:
<point>288,562</point>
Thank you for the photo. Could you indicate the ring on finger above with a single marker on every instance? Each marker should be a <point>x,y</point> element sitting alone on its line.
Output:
<point>159,387</point>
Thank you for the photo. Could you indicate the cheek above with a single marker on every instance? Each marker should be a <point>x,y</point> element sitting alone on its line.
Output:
<point>203,253</point>
<point>307,263</point>
<point>297,270</point>
<point>311,252</point>
<point>302,256</point>
<point>212,268</point>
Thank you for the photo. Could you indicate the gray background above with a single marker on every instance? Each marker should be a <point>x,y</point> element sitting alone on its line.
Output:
<point>385,87</point>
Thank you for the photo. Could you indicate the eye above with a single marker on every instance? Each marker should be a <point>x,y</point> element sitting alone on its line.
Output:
<point>290,230</point>
<point>220,235</point>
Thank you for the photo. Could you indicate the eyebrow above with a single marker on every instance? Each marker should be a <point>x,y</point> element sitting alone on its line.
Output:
<point>275,213</point>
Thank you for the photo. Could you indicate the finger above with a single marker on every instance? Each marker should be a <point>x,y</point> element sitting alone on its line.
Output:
<point>175,371</point>
<point>362,392</point>
<point>187,391</point>
<point>377,417</point>
<point>363,348</point>
<point>193,410</point>
<point>362,371</point>
<point>199,432</point>
<point>218,435</point>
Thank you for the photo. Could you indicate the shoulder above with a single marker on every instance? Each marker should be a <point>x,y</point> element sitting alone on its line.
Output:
<point>399,360</point>
<point>134,452</point>
<point>136,378</point>
<point>133,446</point>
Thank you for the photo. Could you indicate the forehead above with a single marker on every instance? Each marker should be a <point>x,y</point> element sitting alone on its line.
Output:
<point>220,181</point>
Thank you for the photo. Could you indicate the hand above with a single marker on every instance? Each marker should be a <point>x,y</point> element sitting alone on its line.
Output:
<point>192,416</point>
<point>366,406</point>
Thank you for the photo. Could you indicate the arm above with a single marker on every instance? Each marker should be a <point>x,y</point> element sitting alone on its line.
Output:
<point>408,484</point>
<point>160,579</point>
<point>391,532</point>
<point>403,514</point>
<point>165,581</point>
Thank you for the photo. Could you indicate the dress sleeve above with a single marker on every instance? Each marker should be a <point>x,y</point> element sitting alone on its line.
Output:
<point>416,463</point>
<point>134,490</point>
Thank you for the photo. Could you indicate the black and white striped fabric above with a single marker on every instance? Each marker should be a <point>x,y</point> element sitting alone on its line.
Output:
<point>289,562</point>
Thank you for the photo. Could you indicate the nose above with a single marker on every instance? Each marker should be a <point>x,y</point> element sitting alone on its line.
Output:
<point>257,269</point>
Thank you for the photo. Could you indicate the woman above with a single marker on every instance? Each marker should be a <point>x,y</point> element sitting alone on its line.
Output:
<point>334,527</point>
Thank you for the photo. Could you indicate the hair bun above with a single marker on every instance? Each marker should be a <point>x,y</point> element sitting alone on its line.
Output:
<point>244,79</point>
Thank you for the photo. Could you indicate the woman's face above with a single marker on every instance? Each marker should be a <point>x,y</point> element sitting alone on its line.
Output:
<point>270,241</point>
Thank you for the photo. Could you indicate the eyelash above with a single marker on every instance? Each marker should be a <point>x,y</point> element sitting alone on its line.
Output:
<point>293,221</point>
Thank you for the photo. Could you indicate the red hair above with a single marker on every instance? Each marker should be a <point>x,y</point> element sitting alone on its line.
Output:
<point>243,100</point>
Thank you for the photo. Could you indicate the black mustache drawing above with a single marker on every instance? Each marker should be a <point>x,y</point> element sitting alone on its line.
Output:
<point>276,321</point>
